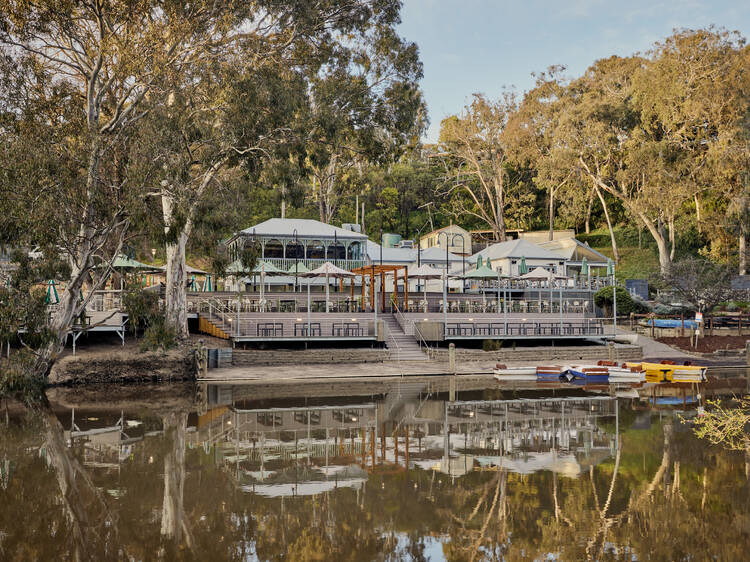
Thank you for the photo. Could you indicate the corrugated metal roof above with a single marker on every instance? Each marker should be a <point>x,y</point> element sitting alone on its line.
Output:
<point>408,255</point>
<point>306,228</point>
<point>516,249</point>
<point>567,248</point>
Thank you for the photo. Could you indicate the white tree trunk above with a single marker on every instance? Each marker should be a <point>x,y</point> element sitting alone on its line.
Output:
<point>175,299</point>
<point>615,251</point>
<point>742,243</point>
<point>174,524</point>
<point>176,294</point>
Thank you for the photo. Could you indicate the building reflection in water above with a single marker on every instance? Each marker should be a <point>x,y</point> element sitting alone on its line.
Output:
<point>307,450</point>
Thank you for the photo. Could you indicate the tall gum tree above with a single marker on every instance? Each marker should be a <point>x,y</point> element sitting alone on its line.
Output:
<point>109,54</point>
<point>297,72</point>
<point>475,154</point>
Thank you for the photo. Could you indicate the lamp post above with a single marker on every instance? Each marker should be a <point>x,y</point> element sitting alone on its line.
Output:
<point>448,242</point>
<point>296,260</point>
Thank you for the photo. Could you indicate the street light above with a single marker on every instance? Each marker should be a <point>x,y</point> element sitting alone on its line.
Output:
<point>296,259</point>
<point>449,238</point>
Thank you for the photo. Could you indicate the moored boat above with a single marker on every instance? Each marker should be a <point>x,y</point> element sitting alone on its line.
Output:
<point>594,373</point>
<point>667,371</point>
<point>550,371</point>
<point>623,373</point>
<point>503,373</point>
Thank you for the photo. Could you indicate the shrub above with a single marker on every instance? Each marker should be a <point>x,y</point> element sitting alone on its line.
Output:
<point>158,336</point>
<point>603,299</point>
<point>142,307</point>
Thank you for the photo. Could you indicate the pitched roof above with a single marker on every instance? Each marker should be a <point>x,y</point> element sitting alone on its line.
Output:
<point>408,255</point>
<point>306,228</point>
<point>516,249</point>
<point>569,247</point>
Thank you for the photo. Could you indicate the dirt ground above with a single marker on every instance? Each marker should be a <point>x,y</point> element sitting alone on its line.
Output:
<point>707,344</point>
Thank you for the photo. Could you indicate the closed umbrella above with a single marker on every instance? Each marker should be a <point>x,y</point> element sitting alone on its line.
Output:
<point>51,293</point>
<point>522,269</point>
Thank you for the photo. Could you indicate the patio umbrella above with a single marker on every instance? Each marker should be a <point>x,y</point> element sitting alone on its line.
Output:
<point>610,267</point>
<point>522,269</point>
<point>541,274</point>
<point>264,268</point>
<point>584,266</point>
<point>327,270</point>
<point>51,293</point>
<point>425,272</point>
<point>298,268</point>
<point>207,284</point>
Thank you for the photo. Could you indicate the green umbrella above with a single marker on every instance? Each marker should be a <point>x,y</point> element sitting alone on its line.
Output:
<point>610,267</point>
<point>124,262</point>
<point>51,292</point>
<point>207,285</point>
<point>479,262</point>
<point>522,269</point>
<point>584,266</point>
<point>300,268</point>
<point>482,272</point>
<point>191,286</point>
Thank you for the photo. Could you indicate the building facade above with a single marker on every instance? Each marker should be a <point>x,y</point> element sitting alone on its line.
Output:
<point>284,242</point>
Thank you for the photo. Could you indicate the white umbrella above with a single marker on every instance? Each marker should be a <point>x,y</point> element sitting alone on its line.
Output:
<point>425,272</point>
<point>326,270</point>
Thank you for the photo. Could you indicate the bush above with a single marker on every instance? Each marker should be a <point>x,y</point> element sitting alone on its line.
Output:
<point>603,299</point>
<point>158,336</point>
<point>640,306</point>
<point>491,345</point>
<point>142,307</point>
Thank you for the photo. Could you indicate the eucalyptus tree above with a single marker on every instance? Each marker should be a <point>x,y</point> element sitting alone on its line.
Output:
<point>475,150</point>
<point>303,77</point>
<point>531,132</point>
<point>365,107</point>
<point>92,66</point>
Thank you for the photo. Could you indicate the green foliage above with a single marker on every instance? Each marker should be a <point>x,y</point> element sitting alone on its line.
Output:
<point>16,380</point>
<point>603,298</point>
<point>491,345</point>
<point>141,306</point>
<point>158,336</point>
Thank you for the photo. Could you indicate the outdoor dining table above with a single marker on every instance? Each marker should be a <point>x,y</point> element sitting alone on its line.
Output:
<point>346,329</point>
<point>269,329</point>
<point>301,329</point>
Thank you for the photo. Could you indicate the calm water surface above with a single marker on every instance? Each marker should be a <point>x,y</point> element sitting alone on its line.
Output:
<point>364,471</point>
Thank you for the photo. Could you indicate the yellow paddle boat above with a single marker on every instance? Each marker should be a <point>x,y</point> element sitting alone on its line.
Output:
<point>668,371</point>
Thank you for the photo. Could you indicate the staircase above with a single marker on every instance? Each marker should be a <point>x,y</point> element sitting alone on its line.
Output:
<point>213,326</point>
<point>403,347</point>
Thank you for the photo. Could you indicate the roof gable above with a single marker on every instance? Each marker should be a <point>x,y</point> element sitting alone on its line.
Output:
<point>516,249</point>
<point>306,228</point>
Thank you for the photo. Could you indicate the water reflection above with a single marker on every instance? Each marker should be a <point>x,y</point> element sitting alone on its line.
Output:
<point>396,471</point>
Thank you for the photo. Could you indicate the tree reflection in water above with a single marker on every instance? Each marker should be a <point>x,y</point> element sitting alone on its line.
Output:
<point>314,485</point>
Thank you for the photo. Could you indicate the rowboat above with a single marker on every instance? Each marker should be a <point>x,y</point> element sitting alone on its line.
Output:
<point>667,371</point>
<point>622,373</point>
<point>550,371</point>
<point>592,373</point>
<point>503,373</point>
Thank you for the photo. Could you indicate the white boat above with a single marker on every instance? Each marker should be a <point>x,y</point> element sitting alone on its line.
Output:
<point>503,373</point>
<point>625,374</point>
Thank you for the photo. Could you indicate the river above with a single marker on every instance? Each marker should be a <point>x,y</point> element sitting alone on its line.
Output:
<point>377,470</point>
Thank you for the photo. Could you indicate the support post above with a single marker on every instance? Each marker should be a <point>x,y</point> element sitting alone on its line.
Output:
<point>452,358</point>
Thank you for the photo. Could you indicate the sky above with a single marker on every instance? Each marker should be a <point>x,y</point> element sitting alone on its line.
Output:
<point>470,46</point>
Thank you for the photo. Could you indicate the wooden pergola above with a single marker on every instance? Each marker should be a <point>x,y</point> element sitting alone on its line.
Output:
<point>382,270</point>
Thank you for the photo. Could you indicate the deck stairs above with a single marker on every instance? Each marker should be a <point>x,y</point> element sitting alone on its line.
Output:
<point>403,347</point>
<point>213,326</point>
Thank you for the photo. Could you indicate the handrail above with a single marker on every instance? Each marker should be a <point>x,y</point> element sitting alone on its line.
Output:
<point>415,329</point>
